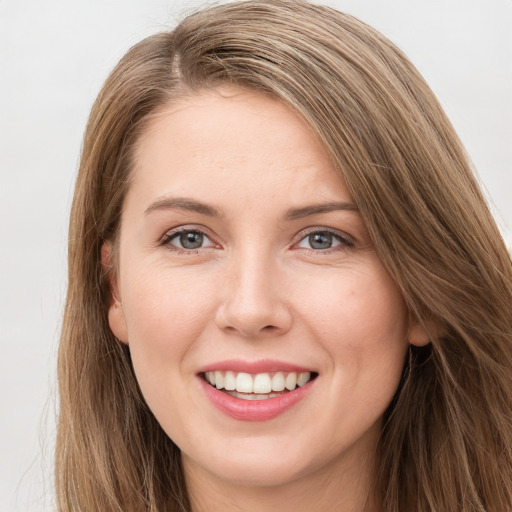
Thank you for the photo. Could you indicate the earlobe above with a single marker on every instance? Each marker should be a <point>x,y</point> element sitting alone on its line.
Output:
<point>116,317</point>
<point>418,335</point>
<point>117,321</point>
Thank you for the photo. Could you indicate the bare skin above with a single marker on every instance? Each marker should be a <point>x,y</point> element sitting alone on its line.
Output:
<point>240,241</point>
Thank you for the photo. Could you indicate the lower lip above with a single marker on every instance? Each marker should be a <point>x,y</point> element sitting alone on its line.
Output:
<point>254,410</point>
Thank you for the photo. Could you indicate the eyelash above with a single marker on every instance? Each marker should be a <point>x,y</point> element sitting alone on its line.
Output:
<point>168,237</point>
<point>344,241</point>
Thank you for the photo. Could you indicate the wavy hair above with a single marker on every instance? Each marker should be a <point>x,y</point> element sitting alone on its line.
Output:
<point>446,443</point>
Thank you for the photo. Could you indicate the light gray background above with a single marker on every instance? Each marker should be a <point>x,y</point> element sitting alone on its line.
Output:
<point>54,55</point>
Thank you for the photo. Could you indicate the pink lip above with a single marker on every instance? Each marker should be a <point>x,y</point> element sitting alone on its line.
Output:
<point>262,366</point>
<point>254,410</point>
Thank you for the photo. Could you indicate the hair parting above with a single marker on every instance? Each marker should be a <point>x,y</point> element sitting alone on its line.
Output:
<point>446,444</point>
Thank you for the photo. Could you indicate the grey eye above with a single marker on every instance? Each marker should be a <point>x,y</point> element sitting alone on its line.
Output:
<point>189,240</point>
<point>320,240</point>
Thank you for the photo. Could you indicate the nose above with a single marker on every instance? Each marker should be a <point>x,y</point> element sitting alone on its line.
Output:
<point>252,303</point>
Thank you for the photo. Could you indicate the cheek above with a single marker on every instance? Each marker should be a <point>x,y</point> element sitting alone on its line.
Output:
<point>366,308</point>
<point>165,314</point>
<point>365,337</point>
<point>361,321</point>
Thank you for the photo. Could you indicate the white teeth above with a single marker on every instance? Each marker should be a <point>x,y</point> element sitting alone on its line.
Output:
<point>252,396</point>
<point>291,381</point>
<point>229,381</point>
<point>303,378</point>
<point>278,382</point>
<point>244,383</point>
<point>259,385</point>
<point>262,383</point>
<point>219,380</point>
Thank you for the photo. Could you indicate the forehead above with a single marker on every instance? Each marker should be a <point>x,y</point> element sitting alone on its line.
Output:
<point>230,137</point>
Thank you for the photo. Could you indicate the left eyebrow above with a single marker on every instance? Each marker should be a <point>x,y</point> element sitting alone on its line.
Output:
<point>183,203</point>
<point>315,209</point>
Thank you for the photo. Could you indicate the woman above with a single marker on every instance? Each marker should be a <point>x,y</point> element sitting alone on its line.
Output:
<point>285,288</point>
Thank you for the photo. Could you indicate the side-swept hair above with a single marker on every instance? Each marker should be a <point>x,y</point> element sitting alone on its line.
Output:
<point>446,444</point>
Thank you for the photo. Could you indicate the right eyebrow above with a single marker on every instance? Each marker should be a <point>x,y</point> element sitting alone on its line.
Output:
<point>183,203</point>
<point>316,209</point>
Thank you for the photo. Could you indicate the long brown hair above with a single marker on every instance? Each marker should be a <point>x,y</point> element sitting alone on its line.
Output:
<point>446,444</point>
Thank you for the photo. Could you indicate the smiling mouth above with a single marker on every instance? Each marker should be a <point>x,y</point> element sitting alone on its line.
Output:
<point>261,386</point>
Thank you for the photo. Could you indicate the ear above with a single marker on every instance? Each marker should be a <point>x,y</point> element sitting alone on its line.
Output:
<point>418,334</point>
<point>116,317</point>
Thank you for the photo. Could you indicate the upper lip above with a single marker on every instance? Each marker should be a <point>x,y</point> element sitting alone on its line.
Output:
<point>254,367</point>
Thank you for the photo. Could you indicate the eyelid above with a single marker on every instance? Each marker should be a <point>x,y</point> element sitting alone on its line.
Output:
<point>346,240</point>
<point>171,233</point>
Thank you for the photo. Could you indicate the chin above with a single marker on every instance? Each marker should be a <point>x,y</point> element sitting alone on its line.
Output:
<point>260,468</point>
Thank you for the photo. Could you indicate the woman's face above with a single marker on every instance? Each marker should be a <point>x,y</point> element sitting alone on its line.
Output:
<point>243,261</point>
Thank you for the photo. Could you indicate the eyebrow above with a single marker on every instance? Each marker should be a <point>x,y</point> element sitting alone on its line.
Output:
<point>183,203</point>
<point>315,209</point>
<point>187,204</point>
